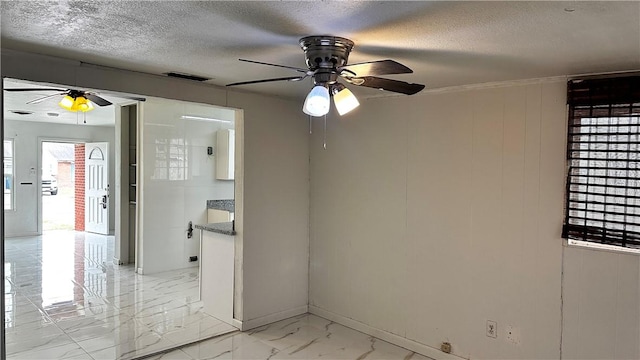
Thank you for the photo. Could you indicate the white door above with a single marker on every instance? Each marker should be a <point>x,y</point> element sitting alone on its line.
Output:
<point>96,188</point>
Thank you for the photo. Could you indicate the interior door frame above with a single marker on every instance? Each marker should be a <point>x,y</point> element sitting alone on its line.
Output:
<point>41,140</point>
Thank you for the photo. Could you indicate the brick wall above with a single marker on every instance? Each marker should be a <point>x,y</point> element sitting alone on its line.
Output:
<point>79,186</point>
<point>65,177</point>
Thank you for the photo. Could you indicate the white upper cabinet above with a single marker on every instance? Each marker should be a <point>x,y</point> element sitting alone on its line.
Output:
<point>225,154</point>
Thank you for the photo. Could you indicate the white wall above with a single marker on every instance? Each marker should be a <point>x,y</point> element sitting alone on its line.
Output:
<point>601,297</point>
<point>27,136</point>
<point>173,196</point>
<point>432,214</point>
<point>277,191</point>
<point>275,229</point>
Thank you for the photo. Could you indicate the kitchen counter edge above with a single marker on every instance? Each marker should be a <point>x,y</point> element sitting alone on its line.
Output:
<point>221,228</point>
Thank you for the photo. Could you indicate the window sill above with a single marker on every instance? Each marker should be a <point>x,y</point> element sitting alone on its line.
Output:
<point>601,247</point>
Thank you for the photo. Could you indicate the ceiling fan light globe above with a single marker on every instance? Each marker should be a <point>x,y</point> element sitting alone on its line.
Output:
<point>345,101</point>
<point>317,102</point>
<point>67,103</point>
<point>84,104</point>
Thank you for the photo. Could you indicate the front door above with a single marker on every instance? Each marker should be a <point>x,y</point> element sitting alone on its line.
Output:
<point>96,193</point>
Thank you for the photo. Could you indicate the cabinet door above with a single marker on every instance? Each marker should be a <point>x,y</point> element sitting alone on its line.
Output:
<point>216,286</point>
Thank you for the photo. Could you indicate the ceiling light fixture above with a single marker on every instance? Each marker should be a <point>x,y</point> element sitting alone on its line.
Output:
<point>75,104</point>
<point>317,102</point>
<point>326,58</point>
<point>344,99</point>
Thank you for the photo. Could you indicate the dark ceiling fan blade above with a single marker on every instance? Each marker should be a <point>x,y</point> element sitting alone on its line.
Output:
<point>386,84</point>
<point>380,67</point>
<point>97,99</point>
<point>291,78</point>
<point>44,98</point>
<point>282,66</point>
<point>35,89</point>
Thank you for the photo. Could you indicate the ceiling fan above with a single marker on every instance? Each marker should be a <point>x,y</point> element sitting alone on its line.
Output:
<point>73,100</point>
<point>326,58</point>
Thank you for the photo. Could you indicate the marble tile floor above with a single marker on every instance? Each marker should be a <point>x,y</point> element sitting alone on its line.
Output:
<point>302,337</point>
<point>64,299</point>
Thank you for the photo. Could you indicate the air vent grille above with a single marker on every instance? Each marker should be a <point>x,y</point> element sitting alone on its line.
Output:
<point>22,112</point>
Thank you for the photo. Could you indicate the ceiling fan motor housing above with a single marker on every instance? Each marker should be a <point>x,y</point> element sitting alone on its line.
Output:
<point>75,93</point>
<point>325,54</point>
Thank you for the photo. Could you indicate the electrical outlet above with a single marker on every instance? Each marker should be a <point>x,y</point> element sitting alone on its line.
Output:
<point>492,329</point>
<point>513,334</point>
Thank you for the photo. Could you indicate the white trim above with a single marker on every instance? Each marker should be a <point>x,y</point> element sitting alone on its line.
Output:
<point>414,346</point>
<point>268,319</point>
<point>601,247</point>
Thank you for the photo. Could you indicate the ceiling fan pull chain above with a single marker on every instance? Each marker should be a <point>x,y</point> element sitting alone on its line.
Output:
<point>325,132</point>
<point>310,125</point>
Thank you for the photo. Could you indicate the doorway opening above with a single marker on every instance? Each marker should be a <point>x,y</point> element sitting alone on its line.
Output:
<point>62,186</point>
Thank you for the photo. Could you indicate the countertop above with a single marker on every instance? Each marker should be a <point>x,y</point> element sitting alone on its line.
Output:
<point>221,228</point>
<point>226,205</point>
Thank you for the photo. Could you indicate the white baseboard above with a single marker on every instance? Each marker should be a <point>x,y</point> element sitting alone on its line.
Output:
<point>384,335</point>
<point>268,319</point>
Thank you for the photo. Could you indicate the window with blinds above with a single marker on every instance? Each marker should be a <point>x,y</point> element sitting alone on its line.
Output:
<point>603,181</point>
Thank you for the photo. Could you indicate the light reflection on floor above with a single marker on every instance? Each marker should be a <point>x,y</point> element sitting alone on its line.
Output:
<point>65,299</point>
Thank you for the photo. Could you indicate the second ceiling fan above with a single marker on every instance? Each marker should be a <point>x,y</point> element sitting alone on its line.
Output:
<point>73,100</point>
<point>327,61</point>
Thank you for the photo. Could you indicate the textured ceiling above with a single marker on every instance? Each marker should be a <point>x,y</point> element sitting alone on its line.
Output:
<point>446,43</point>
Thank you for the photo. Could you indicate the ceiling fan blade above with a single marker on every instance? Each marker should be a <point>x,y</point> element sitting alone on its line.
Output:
<point>282,66</point>
<point>35,89</point>
<point>97,99</point>
<point>386,84</point>
<point>44,98</point>
<point>291,78</point>
<point>380,67</point>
